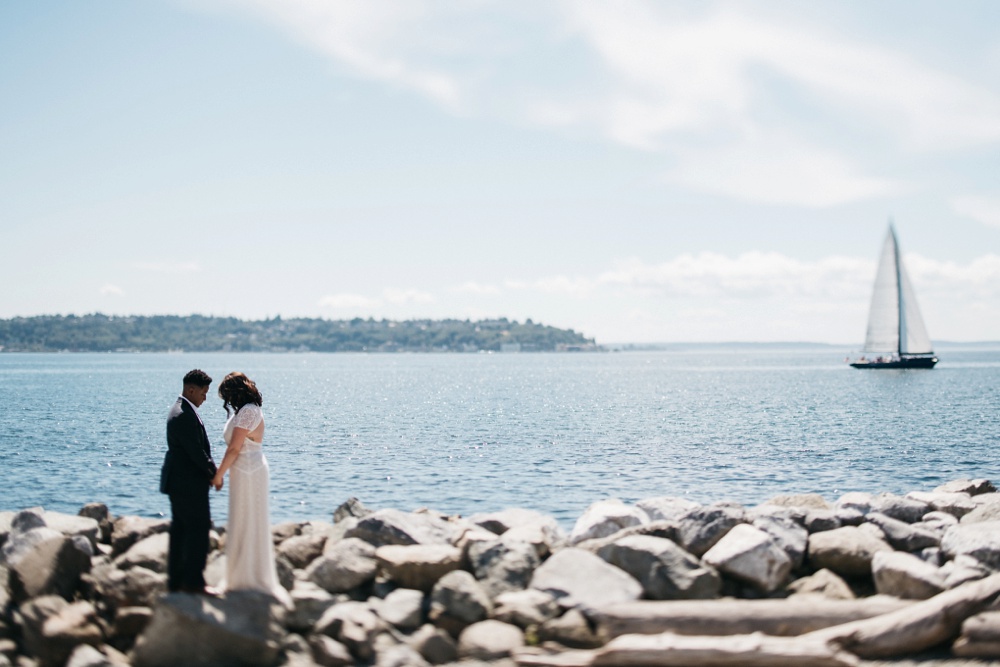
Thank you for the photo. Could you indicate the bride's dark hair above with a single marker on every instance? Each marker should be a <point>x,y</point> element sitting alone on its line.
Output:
<point>236,390</point>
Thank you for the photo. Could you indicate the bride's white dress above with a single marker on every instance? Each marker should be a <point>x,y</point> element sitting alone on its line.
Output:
<point>249,549</point>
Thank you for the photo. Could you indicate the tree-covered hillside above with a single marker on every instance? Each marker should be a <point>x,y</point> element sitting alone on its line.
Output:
<point>197,333</point>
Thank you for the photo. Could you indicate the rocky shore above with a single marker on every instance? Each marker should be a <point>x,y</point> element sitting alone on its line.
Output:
<point>799,580</point>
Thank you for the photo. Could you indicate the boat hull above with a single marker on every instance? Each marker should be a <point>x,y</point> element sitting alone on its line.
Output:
<point>905,362</point>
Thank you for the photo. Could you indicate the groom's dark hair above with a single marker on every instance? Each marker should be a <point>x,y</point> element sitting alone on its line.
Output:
<point>197,377</point>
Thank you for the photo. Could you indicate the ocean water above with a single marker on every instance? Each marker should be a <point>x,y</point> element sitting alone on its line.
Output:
<point>476,433</point>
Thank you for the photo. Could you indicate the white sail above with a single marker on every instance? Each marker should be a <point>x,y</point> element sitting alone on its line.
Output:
<point>894,321</point>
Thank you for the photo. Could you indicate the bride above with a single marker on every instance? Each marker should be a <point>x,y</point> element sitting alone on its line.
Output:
<point>249,549</point>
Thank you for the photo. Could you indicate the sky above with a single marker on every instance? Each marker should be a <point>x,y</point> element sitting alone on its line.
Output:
<point>640,172</point>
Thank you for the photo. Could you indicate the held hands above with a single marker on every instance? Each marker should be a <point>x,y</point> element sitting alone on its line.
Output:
<point>217,482</point>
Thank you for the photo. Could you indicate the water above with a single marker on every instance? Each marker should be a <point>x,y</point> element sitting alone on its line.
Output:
<point>475,433</point>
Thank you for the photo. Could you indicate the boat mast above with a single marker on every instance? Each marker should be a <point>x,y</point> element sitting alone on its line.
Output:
<point>900,313</point>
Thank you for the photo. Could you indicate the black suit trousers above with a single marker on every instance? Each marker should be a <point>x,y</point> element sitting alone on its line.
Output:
<point>188,552</point>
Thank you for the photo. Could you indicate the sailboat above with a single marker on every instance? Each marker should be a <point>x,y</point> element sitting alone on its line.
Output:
<point>896,331</point>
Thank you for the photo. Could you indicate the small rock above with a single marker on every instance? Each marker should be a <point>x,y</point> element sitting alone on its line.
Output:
<point>328,652</point>
<point>402,608</point>
<point>819,520</point>
<point>351,508</point>
<point>127,530</point>
<point>665,571</point>
<point>858,501</point>
<point>578,578</point>
<point>787,534</point>
<point>979,540</point>
<point>572,629</point>
<point>700,528</point>
<point>526,608</point>
<point>489,640</point>
<point>847,551</point>
<point>803,500</point>
<point>347,565</point>
<point>503,565</point>
<point>665,508</point>
<point>355,626</point>
<point>457,601</point>
<point>906,509</point>
<point>86,655</point>
<point>973,487</point>
<point>904,536</point>
<point>149,552</point>
<point>956,504</point>
<point>309,603</point>
<point>434,644</point>
<point>823,582</point>
<point>417,566</point>
<point>301,550</point>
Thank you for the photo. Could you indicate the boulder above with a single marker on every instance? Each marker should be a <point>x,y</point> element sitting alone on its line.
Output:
<point>983,512</point>
<point>489,640</point>
<point>350,508</point>
<point>72,525</point>
<point>130,622</point>
<point>665,571</point>
<point>752,556</point>
<point>848,551</point>
<point>354,625</point>
<point>904,575</point>
<point>956,504</point>
<point>434,644</point>
<point>282,531</point>
<point>819,520</point>
<point>503,565</point>
<point>127,530</point>
<point>137,587</point>
<point>578,578</point>
<point>859,501</point>
<point>822,582</point>
<point>939,522</point>
<point>328,652</point>
<point>390,526</point>
<point>149,552</point>
<point>544,535</point>
<point>787,534</point>
<point>42,561</point>
<point>458,601</point>
<point>904,536</point>
<point>700,528</point>
<point>604,518</point>
<point>665,508</point>
<point>500,522</point>
<point>973,487</point>
<point>349,563</point>
<point>906,509</point>
<point>309,603</point>
<point>979,540</point>
<point>301,550</point>
<point>526,608</point>
<point>403,608</point>
<point>417,566</point>
<point>244,627</point>
<point>53,629</point>
<point>99,513</point>
<point>572,629</point>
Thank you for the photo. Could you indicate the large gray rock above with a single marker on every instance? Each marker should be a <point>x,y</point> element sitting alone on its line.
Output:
<point>354,625</point>
<point>819,520</point>
<point>978,540</point>
<point>457,601</point>
<point>504,564</point>
<point>907,509</point>
<point>149,552</point>
<point>489,640</point>
<point>328,652</point>
<point>957,504</point>
<point>390,526</point>
<point>136,587</point>
<point>53,629</point>
<point>605,517</point>
<point>904,536</point>
<point>344,566</point>
<point>859,501</point>
<point>351,508</point>
<point>417,566</point>
<point>787,534</point>
<point>578,578</point>
<point>665,571</point>
<point>243,628</point>
<point>544,535</point>
<point>973,487</point>
<point>526,608</point>
<point>72,525</point>
<point>752,556</point>
<point>665,508</point>
<point>127,530</point>
<point>848,551</point>
<point>301,550</point>
<point>904,575</point>
<point>700,528</point>
<point>99,513</point>
<point>309,603</point>
<point>434,644</point>
<point>983,512</point>
<point>402,608</point>
<point>42,561</point>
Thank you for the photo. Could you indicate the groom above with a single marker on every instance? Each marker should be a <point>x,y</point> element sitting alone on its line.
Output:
<point>187,471</point>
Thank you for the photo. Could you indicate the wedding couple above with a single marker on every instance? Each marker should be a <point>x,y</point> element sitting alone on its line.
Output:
<point>189,471</point>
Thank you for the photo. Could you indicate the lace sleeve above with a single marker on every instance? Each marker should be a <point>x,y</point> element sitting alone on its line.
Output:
<point>248,417</point>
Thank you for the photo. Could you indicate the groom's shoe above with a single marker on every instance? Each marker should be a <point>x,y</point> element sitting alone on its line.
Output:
<point>211,592</point>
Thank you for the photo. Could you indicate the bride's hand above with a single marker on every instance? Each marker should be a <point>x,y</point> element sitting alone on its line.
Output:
<point>217,482</point>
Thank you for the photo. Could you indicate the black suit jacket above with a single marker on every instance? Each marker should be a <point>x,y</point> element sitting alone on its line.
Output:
<point>188,467</point>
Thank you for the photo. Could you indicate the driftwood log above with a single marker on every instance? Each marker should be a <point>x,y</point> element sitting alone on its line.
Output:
<point>789,617</point>
<point>908,629</point>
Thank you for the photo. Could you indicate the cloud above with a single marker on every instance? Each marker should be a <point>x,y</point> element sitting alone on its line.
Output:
<point>168,267</point>
<point>477,289</point>
<point>401,296</point>
<point>978,279</point>
<point>112,290</point>
<point>981,209</point>
<point>348,302</point>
